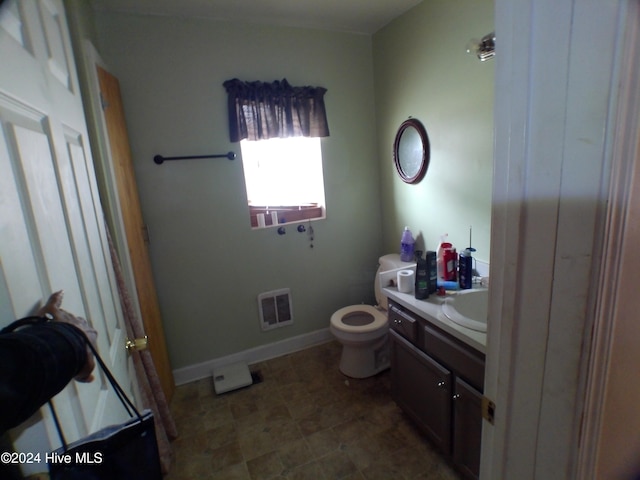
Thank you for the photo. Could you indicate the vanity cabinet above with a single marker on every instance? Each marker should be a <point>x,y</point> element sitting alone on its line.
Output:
<point>437,380</point>
<point>422,388</point>
<point>467,428</point>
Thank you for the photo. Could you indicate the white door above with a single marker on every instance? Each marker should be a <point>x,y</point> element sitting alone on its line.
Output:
<point>52,233</point>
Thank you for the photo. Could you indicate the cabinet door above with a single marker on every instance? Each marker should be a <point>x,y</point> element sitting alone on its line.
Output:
<point>467,428</point>
<point>422,388</point>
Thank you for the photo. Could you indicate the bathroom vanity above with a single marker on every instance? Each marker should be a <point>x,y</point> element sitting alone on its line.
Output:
<point>437,376</point>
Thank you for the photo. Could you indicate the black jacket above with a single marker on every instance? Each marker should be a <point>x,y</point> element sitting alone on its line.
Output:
<point>36,362</point>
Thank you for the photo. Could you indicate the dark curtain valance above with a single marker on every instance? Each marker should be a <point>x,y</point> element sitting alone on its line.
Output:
<point>260,110</point>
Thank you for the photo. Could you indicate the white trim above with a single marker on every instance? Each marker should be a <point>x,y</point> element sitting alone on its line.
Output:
<point>511,104</point>
<point>252,355</point>
<point>625,152</point>
<point>550,164</point>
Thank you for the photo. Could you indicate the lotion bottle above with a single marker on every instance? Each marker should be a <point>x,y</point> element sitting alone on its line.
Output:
<point>443,247</point>
<point>407,244</point>
<point>450,264</point>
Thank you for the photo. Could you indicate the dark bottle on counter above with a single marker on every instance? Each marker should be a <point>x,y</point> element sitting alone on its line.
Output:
<point>432,271</point>
<point>465,268</point>
<point>422,277</point>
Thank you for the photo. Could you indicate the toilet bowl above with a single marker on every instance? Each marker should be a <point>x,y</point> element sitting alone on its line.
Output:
<point>362,330</point>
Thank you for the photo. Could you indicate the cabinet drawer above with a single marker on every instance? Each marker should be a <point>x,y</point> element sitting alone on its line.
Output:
<point>403,323</point>
<point>467,363</point>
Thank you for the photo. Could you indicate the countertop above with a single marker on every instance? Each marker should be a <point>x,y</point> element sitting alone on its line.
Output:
<point>431,310</point>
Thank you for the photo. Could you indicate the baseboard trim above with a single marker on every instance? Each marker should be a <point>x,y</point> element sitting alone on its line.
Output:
<point>252,355</point>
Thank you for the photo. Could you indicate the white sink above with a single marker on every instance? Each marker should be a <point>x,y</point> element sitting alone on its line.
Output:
<point>468,308</point>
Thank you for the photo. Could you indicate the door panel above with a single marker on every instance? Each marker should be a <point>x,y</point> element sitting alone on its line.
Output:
<point>52,18</point>
<point>52,233</point>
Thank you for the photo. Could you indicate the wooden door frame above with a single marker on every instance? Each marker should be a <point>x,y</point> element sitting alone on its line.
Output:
<point>88,60</point>
<point>127,237</point>
<point>104,169</point>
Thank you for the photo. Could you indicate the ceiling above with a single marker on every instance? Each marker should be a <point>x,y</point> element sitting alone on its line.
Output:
<point>358,16</point>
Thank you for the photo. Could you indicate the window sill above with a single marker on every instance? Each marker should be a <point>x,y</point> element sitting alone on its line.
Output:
<point>286,214</point>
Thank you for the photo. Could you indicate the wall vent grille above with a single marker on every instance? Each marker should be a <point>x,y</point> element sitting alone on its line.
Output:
<point>276,309</point>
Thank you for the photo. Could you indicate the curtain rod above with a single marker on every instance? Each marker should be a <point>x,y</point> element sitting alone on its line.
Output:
<point>159,158</point>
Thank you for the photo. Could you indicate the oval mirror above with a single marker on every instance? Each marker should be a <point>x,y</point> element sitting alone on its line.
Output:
<point>411,151</point>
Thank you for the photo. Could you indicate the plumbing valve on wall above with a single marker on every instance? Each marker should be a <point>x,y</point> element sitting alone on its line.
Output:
<point>301,229</point>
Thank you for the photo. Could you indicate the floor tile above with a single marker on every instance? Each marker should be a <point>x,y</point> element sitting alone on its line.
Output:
<point>304,420</point>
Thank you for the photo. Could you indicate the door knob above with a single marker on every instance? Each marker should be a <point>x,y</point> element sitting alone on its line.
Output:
<point>137,344</point>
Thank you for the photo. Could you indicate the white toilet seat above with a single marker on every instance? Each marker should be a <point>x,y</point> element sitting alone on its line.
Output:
<point>379,319</point>
<point>362,329</point>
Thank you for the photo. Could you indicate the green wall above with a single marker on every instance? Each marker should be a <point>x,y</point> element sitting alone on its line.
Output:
<point>422,70</point>
<point>208,263</point>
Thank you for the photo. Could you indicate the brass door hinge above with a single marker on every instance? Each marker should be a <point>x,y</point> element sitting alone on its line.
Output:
<point>137,344</point>
<point>145,235</point>
<point>103,103</point>
<point>488,410</point>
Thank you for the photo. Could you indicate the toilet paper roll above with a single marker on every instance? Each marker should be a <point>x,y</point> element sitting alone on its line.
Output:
<point>261,222</point>
<point>405,281</point>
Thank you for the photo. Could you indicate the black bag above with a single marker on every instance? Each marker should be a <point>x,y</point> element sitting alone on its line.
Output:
<point>125,451</point>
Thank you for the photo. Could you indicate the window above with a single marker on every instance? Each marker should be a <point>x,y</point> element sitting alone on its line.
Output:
<point>283,175</point>
<point>279,127</point>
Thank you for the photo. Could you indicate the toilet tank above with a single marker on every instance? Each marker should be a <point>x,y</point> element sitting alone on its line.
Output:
<point>387,262</point>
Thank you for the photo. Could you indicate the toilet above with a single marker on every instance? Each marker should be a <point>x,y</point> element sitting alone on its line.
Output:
<point>362,329</point>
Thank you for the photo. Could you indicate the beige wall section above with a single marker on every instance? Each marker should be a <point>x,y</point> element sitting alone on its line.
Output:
<point>422,70</point>
<point>209,265</point>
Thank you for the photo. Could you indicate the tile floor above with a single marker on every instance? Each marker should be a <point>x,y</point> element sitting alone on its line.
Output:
<point>305,420</point>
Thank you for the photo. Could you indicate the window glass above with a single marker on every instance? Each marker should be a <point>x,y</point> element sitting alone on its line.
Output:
<point>284,174</point>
